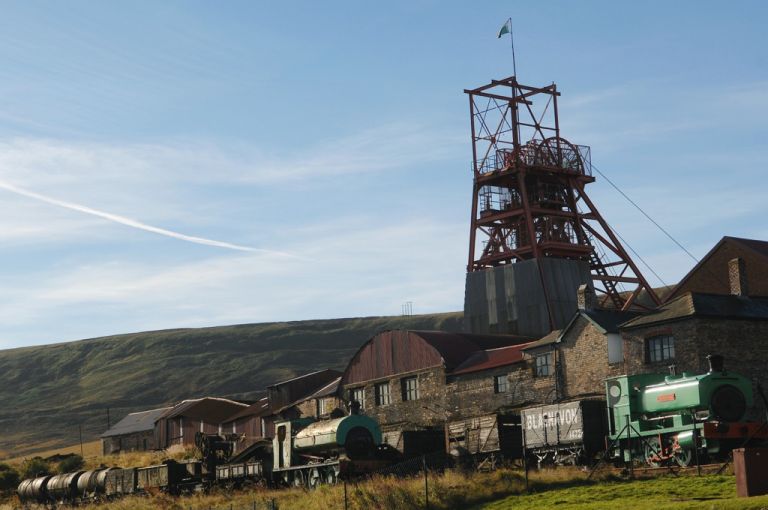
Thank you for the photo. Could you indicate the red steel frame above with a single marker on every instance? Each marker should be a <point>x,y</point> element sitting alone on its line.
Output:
<point>529,201</point>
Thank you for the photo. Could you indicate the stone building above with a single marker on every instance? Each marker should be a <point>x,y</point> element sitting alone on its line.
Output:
<point>135,432</point>
<point>573,362</point>
<point>404,380</point>
<point>681,333</point>
<point>710,275</point>
<point>301,396</point>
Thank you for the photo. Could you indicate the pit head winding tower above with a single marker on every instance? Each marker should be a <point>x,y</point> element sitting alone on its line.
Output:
<point>535,235</point>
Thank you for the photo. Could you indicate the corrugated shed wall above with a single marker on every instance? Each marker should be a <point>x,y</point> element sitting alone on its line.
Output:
<point>511,298</point>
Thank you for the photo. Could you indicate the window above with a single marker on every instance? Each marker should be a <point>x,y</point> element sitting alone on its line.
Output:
<point>615,348</point>
<point>660,348</point>
<point>321,406</point>
<point>383,397</point>
<point>500,384</point>
<point>357,395</point>
<point>410,388</point>
<point>543,365</point>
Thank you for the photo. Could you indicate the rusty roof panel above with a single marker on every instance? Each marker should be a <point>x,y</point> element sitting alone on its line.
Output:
<point>260,408</point>
<point>400,351</point>
<point>491,358</point>
<point>209,409</point>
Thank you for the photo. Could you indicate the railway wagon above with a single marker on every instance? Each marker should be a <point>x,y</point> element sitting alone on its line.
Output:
<point>239,473</point>
<point>170,476</point>
<point>92,484</point>
<point>120,482</point>
<point>33,490</point>
<point>485,438</point>
<point>566,433</point>
<point>63,487</point>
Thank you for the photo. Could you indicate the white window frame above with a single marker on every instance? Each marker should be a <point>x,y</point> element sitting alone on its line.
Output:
<point>383,394</point>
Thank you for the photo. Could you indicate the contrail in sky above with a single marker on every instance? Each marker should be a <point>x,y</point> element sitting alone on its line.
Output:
<point>133,223</point>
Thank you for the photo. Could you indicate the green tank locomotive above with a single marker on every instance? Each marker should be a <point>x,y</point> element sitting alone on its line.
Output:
<point>308,452</point>
<point>665,419</point>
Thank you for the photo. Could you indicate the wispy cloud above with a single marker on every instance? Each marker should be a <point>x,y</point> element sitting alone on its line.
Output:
<point>132,223</point>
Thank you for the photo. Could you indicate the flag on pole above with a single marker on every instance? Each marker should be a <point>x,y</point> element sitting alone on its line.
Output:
<point>506,29</point>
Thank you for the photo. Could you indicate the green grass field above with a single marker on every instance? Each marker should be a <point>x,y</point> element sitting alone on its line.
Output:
<point>48,391</point>
<point>667,492</point>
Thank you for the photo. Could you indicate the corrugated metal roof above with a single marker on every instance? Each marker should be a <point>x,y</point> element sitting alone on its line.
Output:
<point>705,305</point>
<point>491,358</point>
<point>136,422</point>
<point>329,389</point>
<point>260,408</point>
<point>210,409</point>
<point>455,348</point>
<point>304,376</point>
<point>402,351</point>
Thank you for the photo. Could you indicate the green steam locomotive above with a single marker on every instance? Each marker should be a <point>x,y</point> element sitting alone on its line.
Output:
<point>666,419</point>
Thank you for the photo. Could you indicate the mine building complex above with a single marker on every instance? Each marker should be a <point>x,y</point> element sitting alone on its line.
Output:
<point>554,305</point>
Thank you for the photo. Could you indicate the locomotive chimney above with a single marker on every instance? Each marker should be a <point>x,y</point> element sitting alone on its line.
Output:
<point>715,363</point>
<point>737,277</point>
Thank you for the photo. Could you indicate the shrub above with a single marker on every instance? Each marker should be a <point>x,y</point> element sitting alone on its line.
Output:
<point>35,466</point>
<point>70,464</point>
<point>9,478</point>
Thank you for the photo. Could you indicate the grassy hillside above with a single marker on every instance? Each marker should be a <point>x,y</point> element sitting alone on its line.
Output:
<point>47,391</point>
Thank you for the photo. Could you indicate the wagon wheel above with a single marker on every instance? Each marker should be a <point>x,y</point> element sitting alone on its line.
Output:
<point>313,478</point>
<point>653,452</point>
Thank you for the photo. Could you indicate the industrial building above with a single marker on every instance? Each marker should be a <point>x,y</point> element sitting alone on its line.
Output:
<point>553,306</point>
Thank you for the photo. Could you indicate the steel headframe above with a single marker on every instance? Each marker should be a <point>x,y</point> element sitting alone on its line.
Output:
<point>529,200</point>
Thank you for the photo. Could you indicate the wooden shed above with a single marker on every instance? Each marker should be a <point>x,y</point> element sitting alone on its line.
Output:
<point>179,424</point>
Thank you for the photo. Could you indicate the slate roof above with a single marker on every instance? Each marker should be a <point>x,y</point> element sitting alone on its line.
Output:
<point>608,321</point>
<point>136,422</point>
<point>705,305</point>
<point>491,358</point>
<point>550,338</point>
<point>755,245</point>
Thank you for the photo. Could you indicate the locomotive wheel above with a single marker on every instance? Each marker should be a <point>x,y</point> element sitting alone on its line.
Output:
<point>298,479</point>
<point>652,452</point>
<point>329,475</point>
<point>683,457</point>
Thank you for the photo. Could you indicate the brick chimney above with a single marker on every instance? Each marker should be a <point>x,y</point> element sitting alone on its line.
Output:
<point>585,297</point>
<point>737,276</point>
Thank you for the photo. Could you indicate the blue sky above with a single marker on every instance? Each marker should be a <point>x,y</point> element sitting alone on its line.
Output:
<point>333,139</point>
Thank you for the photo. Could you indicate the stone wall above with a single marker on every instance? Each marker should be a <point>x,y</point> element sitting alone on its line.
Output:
<point>584,361</point>
<point>426,411</point>
<point>742,343</point>
<point>139,441</point>
<point>712,276</point>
